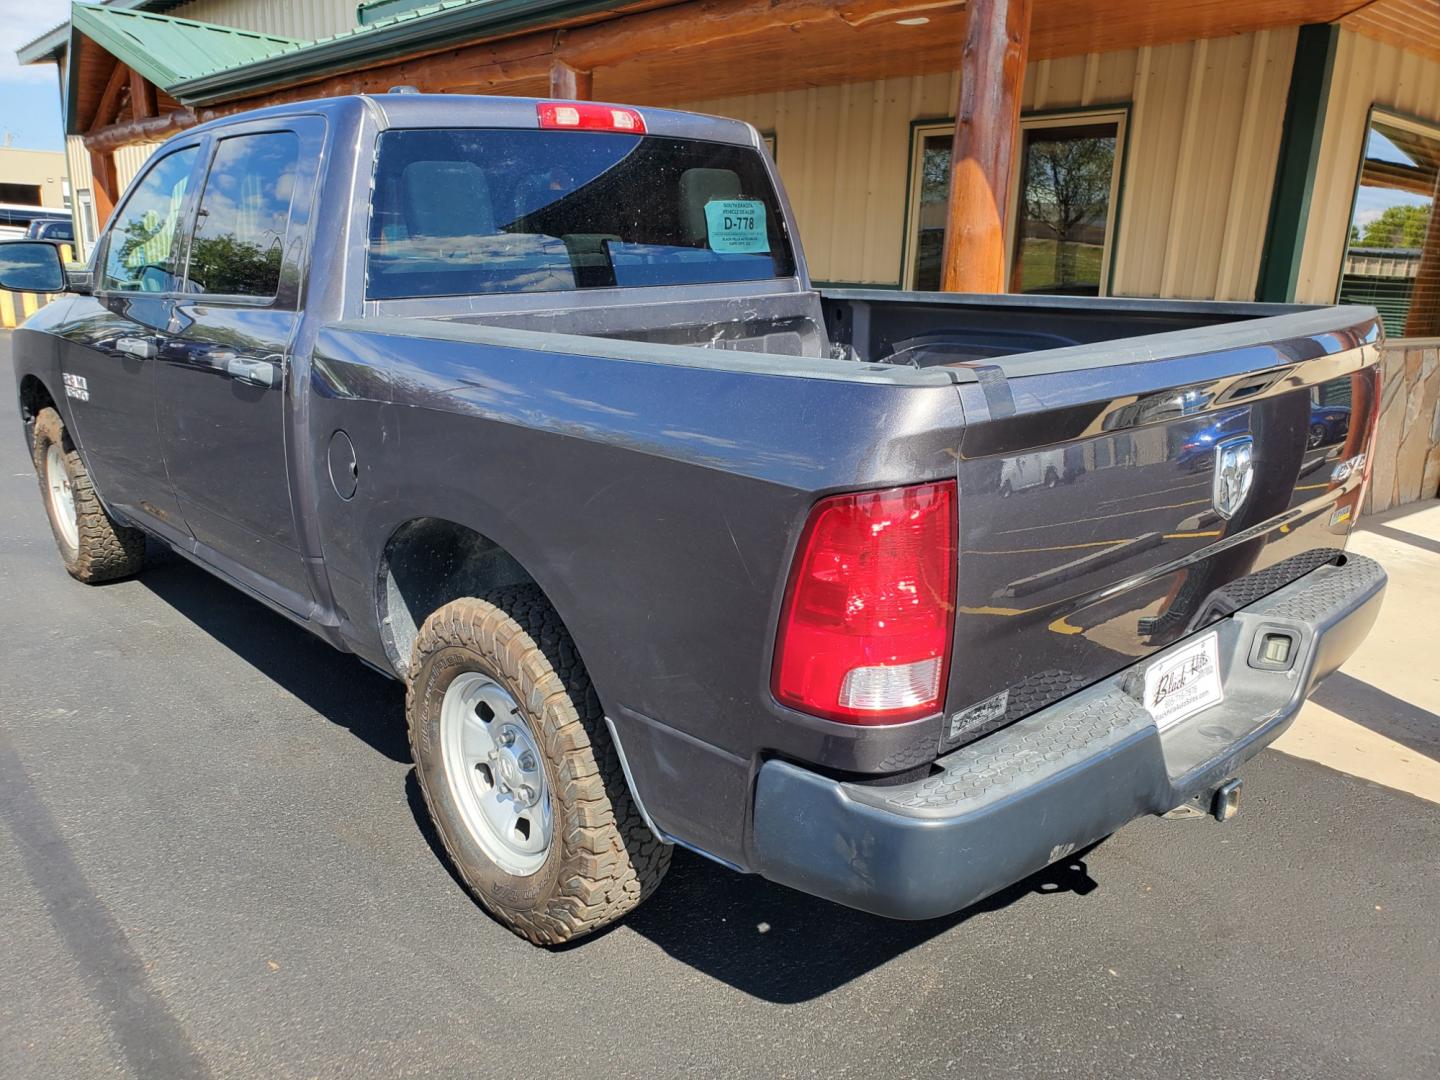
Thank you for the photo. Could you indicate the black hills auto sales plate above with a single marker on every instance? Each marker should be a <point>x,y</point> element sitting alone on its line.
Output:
<point>1184,682</point>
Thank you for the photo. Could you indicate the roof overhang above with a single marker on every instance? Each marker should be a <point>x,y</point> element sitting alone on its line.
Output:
<point>645,51</point>
<point>49,46</point>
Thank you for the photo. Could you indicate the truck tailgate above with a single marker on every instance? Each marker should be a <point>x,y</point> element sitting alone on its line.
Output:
<point>1107,511</point>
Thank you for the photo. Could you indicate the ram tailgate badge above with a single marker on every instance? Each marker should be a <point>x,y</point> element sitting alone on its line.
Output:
<point>1234,473</point>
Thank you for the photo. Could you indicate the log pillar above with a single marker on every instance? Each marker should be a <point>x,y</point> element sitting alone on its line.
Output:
<point>569,83</point>
<point>106,190</point>
<point>982,157</point>
<point>1423,318</point>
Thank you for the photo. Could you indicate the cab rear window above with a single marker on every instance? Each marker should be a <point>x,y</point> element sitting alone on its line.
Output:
<point>468,211</point>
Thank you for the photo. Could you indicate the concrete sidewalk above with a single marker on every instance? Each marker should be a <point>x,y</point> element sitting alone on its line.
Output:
<point>1378,718</point>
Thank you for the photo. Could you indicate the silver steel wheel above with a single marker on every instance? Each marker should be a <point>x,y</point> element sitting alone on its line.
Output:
<point>62,497</point>
<point>495,773</point>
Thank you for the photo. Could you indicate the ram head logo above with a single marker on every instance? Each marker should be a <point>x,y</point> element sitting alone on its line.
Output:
<point>1234,474</point>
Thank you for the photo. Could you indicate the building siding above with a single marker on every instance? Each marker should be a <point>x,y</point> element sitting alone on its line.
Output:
<point>306,20</point>
<point>77,165</point>
<point>43,170</point>
<point>1367,72</point>
<point>1204,129</point>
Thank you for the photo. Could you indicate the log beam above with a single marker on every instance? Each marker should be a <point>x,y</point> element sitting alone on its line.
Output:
<point>151,129</point>
<point>110,100</point>
<point>982,157</point>
<point>569,83</point>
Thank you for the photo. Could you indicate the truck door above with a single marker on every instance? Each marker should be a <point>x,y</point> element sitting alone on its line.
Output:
<point>109,344</point>
<point>222,377</point>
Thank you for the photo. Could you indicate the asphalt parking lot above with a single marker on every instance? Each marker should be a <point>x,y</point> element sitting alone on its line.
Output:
<point>214,862</point>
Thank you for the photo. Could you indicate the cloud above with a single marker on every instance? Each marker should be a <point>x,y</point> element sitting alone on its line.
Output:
<point>21,22</point>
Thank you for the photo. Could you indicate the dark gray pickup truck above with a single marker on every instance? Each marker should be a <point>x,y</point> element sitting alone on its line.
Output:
<point>891,597</point>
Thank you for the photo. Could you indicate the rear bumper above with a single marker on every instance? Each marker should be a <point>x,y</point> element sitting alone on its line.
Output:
<point>1016,801</point>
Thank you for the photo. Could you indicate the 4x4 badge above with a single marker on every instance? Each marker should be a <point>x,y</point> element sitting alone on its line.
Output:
<point>1234,473</point>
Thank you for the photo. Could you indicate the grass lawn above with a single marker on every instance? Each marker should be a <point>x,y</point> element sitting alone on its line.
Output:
<point>1039,272</point>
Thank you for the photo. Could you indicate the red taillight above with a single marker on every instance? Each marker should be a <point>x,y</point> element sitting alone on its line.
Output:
<point>865,631</point>
<point>586,116</point>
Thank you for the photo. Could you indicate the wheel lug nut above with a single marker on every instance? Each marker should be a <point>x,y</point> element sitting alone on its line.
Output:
<point>507,737</point>
<point>527,761</point>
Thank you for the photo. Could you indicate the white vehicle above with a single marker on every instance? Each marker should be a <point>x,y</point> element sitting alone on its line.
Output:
<point>1031,470</point>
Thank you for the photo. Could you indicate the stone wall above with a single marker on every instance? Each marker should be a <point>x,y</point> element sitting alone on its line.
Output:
<point>1407,450</point>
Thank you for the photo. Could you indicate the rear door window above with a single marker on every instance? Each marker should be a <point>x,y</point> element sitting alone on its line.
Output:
<point>239,240</point>
<point>470,211</point>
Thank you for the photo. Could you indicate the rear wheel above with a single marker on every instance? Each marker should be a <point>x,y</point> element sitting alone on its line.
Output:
<point>93,545</point>
<point>518,771</point>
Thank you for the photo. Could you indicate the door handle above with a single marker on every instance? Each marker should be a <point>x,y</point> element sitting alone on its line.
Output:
<point>255,372</point>
<point>143,348</point>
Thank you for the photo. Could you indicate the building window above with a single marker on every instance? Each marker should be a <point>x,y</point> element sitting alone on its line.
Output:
<point>20,194</point>
<point>86,214</point>
<point>1392,257</point>
<point>1062,221</point>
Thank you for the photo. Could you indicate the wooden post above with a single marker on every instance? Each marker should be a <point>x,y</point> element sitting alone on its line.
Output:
<point>1423,318</point>
<point>567,82</point>
<point>982,157</point>
<point>142,97</point>
<point>105,192</point>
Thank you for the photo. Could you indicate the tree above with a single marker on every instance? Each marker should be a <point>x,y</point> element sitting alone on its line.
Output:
<point>1067,190</point>
<point>1400,226</point>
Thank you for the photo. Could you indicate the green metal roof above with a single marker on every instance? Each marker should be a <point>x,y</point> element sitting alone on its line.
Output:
<point>167,50</point>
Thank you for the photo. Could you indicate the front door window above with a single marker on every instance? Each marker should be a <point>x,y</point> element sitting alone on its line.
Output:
<point>140,254</point>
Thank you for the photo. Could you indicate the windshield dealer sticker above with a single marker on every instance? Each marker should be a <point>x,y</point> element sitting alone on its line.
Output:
<point>1184,682</point>
<point>736,226</point>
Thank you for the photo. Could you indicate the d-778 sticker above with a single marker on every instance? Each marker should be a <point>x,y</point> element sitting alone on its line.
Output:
<point>77,388</point>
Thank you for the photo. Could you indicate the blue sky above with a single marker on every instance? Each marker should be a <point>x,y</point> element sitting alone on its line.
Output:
<point>1371,202</point>
<point>29,96</point>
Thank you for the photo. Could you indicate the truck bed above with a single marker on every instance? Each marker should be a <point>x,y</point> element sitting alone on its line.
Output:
<point>1088,530</point>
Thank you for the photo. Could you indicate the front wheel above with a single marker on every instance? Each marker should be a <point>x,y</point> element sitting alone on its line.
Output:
<point>93,545</point>
<point>518,771</point>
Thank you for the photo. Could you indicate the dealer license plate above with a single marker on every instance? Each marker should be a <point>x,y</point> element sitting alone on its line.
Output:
<point>1184,682</point>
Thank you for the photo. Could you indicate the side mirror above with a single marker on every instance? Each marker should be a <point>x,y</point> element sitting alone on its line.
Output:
<point>31,266</point>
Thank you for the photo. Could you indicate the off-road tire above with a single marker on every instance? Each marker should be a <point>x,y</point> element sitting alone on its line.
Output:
<point>604,860</point>
<point>106,550</point>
